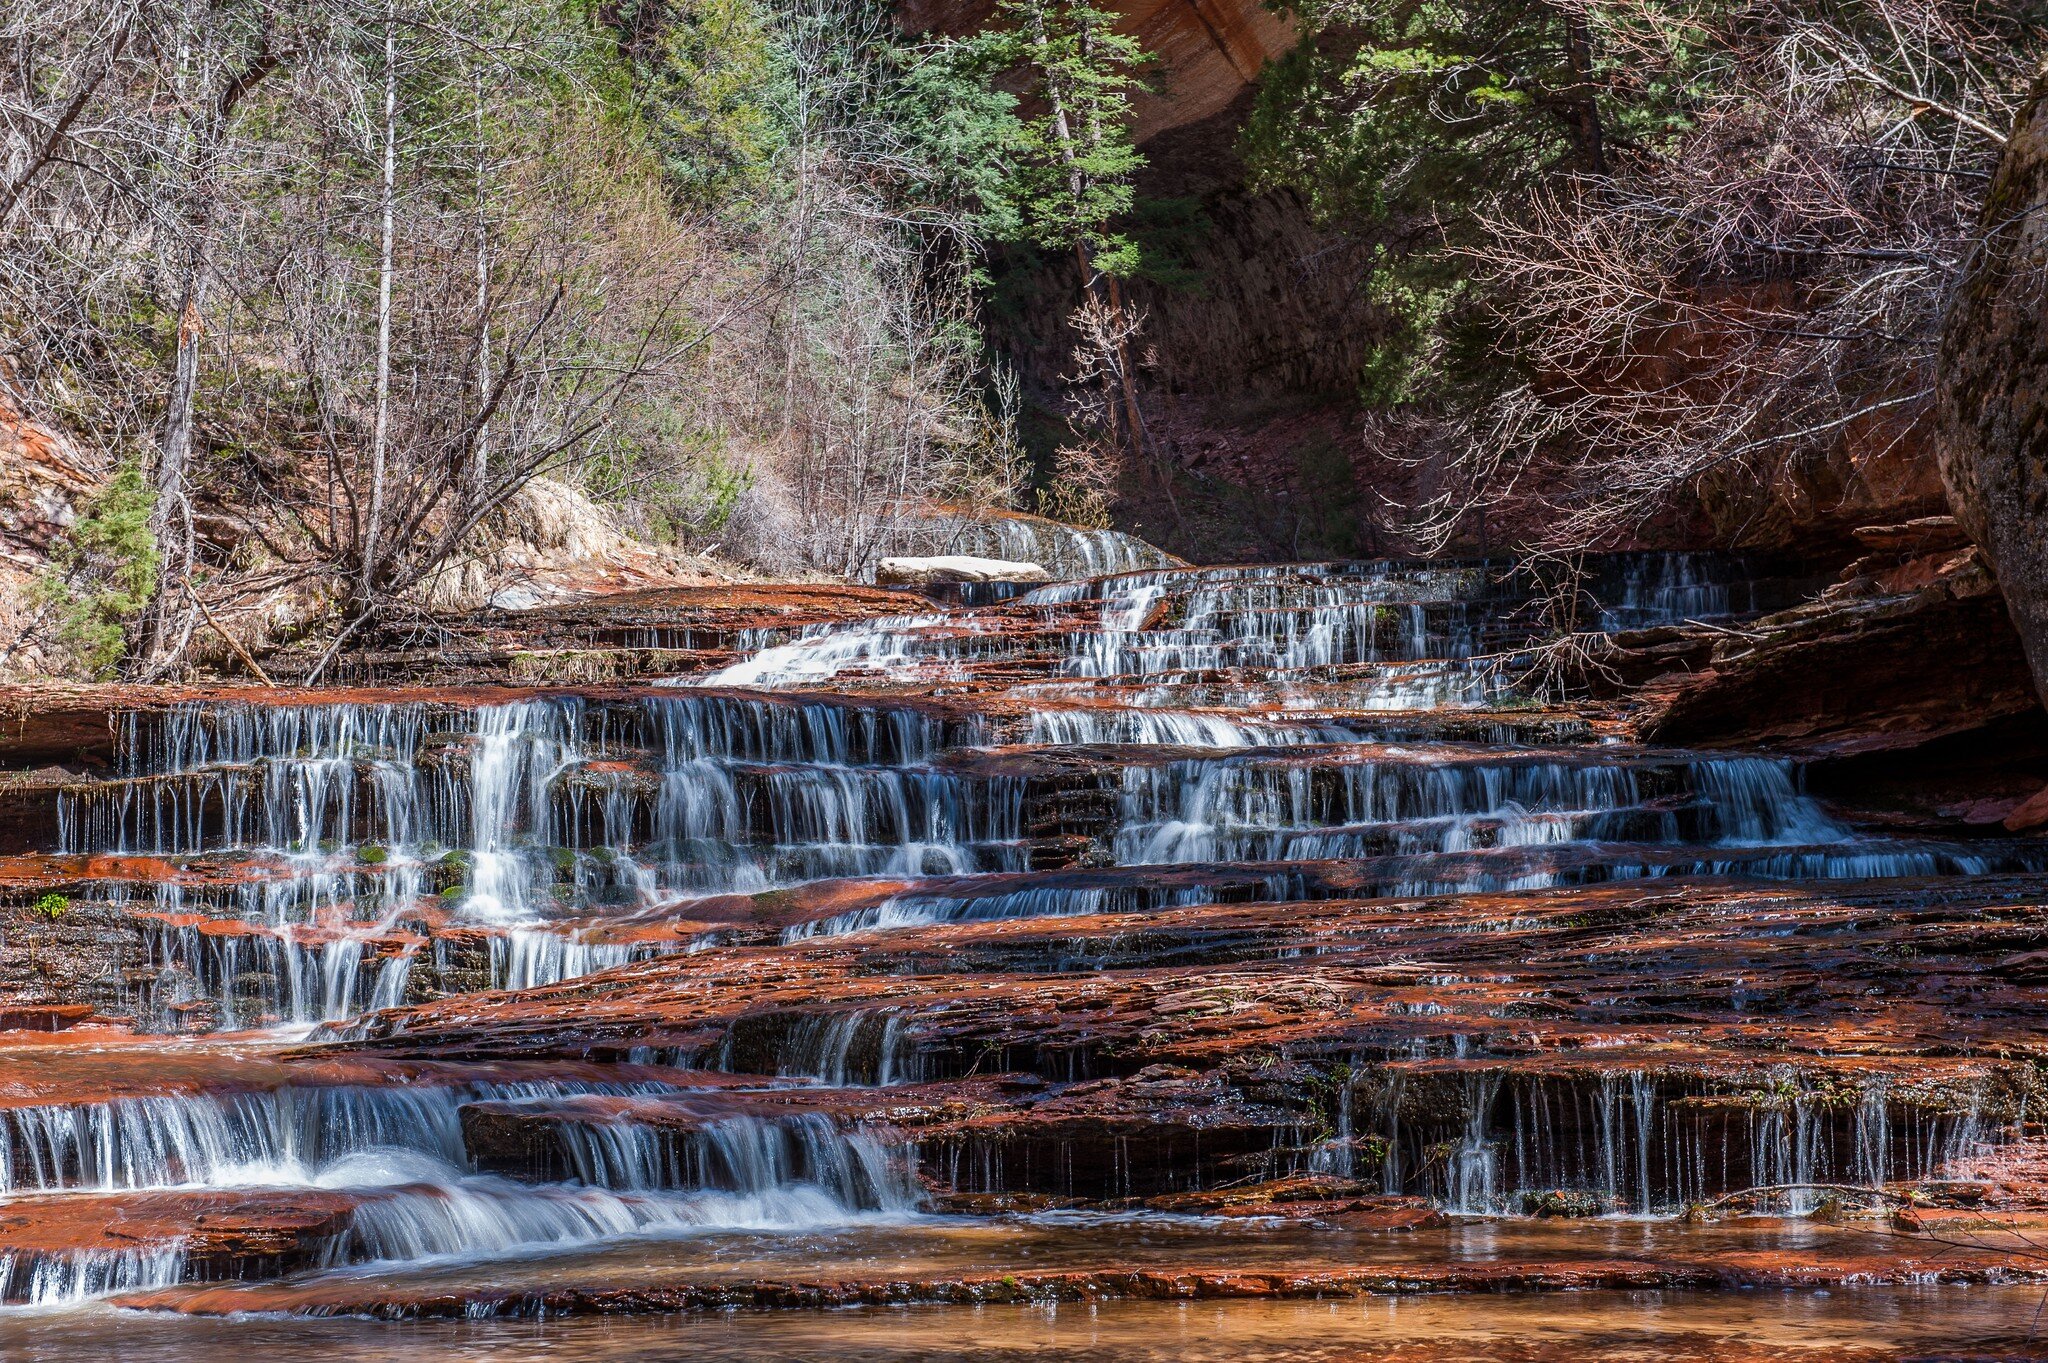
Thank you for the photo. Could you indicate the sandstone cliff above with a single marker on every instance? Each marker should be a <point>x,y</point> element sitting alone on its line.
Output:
<point>1993,406</point>
<point>1207,52</point>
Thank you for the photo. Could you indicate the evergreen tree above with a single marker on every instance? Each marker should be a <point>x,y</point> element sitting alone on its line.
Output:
<point>1072,182</point>
<point>1403,119</point>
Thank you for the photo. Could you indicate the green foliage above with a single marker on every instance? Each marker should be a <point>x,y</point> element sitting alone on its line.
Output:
<point>1419,110</point>
<point>371,854</point>
<point>102,574</point>
<point>965,129</point>
<point>724,484</point>
<point>704,70</point>
<point>52,906</point>
<point>1071,180</point>
<point>683,477</point>
<point>1406,120</point>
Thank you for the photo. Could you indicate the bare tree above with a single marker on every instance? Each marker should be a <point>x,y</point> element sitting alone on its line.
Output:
<point>342,278</point>
<point>1759,299</point>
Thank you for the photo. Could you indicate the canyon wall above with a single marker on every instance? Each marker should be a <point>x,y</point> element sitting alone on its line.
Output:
<point>1993,410</point>
<point>1206,52</point>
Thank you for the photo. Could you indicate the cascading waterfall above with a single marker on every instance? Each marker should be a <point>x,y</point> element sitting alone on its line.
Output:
<point>742,1174</point>
<point>352,816</point>
<point>42,1281</point>
<point>539,818</point>
<point>524,959</point>
<point>1634,1143</point>
<point>1212,727</point>
<point>238,1139</point>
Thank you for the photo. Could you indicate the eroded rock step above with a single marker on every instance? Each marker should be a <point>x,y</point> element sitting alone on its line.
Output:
<point>376,853</point>
<point>1249,898</point>
<point>116,1175</point>
<point>1875,1325</point>
<point>1106,1259</point>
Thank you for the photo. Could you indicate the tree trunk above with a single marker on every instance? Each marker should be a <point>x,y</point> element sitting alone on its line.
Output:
<point>1583,112</point>
<point>171,520</point>
<point>1991,403</point>
<point>380,430</point>
<point>480,457</point>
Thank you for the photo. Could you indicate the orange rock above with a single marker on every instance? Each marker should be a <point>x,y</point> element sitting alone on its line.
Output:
<point>2032,813</point>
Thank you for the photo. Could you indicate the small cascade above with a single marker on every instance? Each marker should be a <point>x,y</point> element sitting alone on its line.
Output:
<point>1254,789</point>
<point>823,653</point>
<point>1662,589</point>
<point>393,977</point>
<point>861,1047</point>
<point>1255,808</point>
<point>1065,551</point>
<point>238,1139</point>
<point>857,1168</point>
<point>348,823</point>
<point>1474,1174</point>
<point>418,1209</point>
<point>47,1280</point>
<point>1179,729</point>
<point>524,959</point>
<point>1633,1143</point>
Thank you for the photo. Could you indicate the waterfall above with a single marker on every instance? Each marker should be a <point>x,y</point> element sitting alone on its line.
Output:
<point>235,1139</point>
<point>416,1208</point>
<point>1475,1161</point>
<point>527,959</point>
<point>858,1047</point>
<point>45,1280</point>
<point>1290,742</point>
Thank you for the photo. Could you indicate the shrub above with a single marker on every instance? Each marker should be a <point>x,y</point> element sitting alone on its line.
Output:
<point>102,575</point>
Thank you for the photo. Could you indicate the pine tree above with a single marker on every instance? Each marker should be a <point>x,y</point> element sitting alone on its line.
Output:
<point>1074,178</point>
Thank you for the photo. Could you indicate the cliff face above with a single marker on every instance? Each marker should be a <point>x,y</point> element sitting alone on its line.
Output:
<point>1207,51</point>
<point>1993,387</point>
<point>45,478</point>
<point>1258,302</point>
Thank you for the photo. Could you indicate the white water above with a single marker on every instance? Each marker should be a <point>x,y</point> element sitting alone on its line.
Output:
<point>548,816</point>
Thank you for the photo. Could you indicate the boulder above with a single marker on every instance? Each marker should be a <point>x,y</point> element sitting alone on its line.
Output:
<point>954,568</point>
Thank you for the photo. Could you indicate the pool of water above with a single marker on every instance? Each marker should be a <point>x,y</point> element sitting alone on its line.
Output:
<point>1655,1327</point>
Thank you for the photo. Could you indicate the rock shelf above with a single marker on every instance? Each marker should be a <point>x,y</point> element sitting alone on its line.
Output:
<point>1178,934</point>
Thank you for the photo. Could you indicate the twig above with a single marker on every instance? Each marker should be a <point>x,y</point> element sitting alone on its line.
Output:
<point>1724,629</point>
<point>228,638</point>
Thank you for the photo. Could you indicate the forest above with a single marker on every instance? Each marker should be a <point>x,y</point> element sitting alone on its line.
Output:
<point>1096,681</point>
<point>308,295</point>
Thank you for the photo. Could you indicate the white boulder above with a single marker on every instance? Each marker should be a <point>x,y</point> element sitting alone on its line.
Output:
<point>927,572</point>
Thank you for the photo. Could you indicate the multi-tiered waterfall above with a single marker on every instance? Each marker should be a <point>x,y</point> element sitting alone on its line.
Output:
<point>1133,888</point>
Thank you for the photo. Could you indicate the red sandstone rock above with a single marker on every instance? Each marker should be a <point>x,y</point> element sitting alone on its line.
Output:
<point>1596,969</point>
<point>54,1017</point>
<point>1848,675</point>
<point>1924,1262</point>
<point>2031,813</point>
<point>265,1231</point>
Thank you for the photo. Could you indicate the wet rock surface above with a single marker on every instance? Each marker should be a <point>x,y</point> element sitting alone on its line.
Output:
<point>1184,934</point>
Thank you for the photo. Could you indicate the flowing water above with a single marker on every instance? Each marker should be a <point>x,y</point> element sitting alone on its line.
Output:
<point>1155,738</point>
<point>1845,1326</point>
